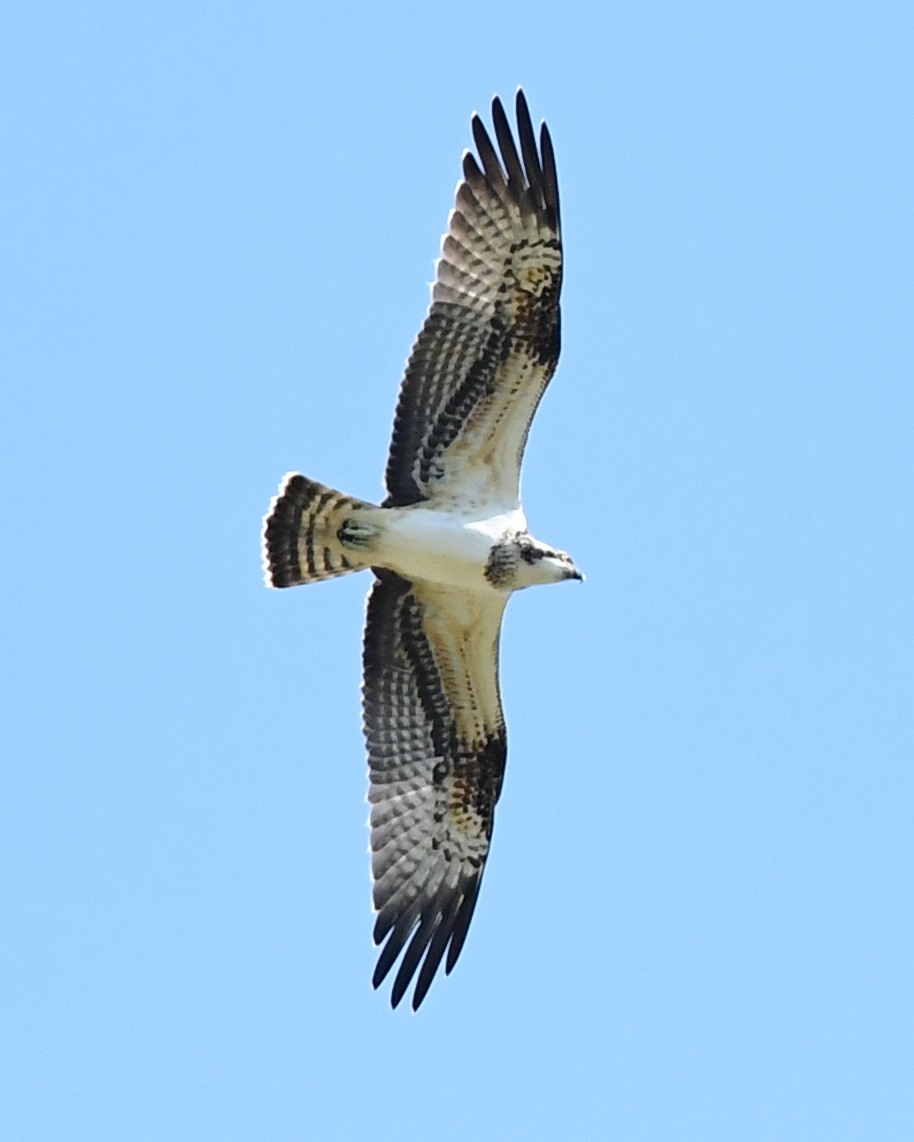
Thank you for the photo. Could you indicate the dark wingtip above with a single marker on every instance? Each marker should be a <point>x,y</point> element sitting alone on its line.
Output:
<point>522,164</point>
<point>520,105</point>
<point>439,935</point>
<point>471,171</point>
<point>488,156</point>
<point>550,177</point>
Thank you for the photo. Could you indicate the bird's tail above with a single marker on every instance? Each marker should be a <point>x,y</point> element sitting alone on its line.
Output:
<point>312,532</point>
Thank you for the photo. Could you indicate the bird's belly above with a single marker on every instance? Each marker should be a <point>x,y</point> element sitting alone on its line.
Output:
<point>442,548</point>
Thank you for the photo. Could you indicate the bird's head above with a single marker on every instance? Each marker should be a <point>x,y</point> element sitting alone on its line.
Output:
<point>540,563</point>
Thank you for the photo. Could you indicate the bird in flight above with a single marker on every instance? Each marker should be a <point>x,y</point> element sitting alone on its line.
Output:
<point>447,548</point>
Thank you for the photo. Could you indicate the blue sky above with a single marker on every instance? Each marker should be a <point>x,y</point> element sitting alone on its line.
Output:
<point>219,226</point>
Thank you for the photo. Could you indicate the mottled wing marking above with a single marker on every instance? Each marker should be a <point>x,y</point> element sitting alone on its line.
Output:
<point>490,343</point>
<point>436,755</point>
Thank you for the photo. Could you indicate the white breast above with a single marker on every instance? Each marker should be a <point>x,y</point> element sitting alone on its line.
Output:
<point>444,547</point>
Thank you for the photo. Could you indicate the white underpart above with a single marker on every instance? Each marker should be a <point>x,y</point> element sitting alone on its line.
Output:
<point>443,547</point>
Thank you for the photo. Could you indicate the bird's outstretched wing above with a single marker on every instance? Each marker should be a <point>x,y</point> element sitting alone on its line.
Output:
<point>490,342</point>
<point>436,754</point>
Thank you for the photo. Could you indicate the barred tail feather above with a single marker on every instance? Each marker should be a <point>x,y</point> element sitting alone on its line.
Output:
<point>312,532</point>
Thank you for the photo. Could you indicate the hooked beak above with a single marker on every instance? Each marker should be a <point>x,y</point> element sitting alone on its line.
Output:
<point>574,573</point>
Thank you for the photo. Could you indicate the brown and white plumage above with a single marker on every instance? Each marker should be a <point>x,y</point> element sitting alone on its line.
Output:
<point>490,343</point>
<point>447,548</point>
<point>436,758</point>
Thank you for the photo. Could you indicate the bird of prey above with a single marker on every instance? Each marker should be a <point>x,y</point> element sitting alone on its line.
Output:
<point>447,548</point>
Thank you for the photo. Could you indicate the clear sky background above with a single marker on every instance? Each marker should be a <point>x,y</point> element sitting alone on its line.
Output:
<point>219,223</point>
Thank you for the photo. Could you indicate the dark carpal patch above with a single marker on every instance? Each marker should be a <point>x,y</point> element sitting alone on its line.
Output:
<point>478,777</point>
<point>538,318</point>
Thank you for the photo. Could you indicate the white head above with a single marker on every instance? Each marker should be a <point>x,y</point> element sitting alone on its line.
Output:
<point>539,563</point>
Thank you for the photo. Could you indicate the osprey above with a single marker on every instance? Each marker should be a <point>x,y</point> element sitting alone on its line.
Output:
<point>447,548</point>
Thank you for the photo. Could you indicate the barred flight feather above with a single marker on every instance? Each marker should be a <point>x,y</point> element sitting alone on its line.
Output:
<point>490,343</point>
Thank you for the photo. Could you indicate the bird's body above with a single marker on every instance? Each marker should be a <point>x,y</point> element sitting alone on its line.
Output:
<point>447,548</point>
